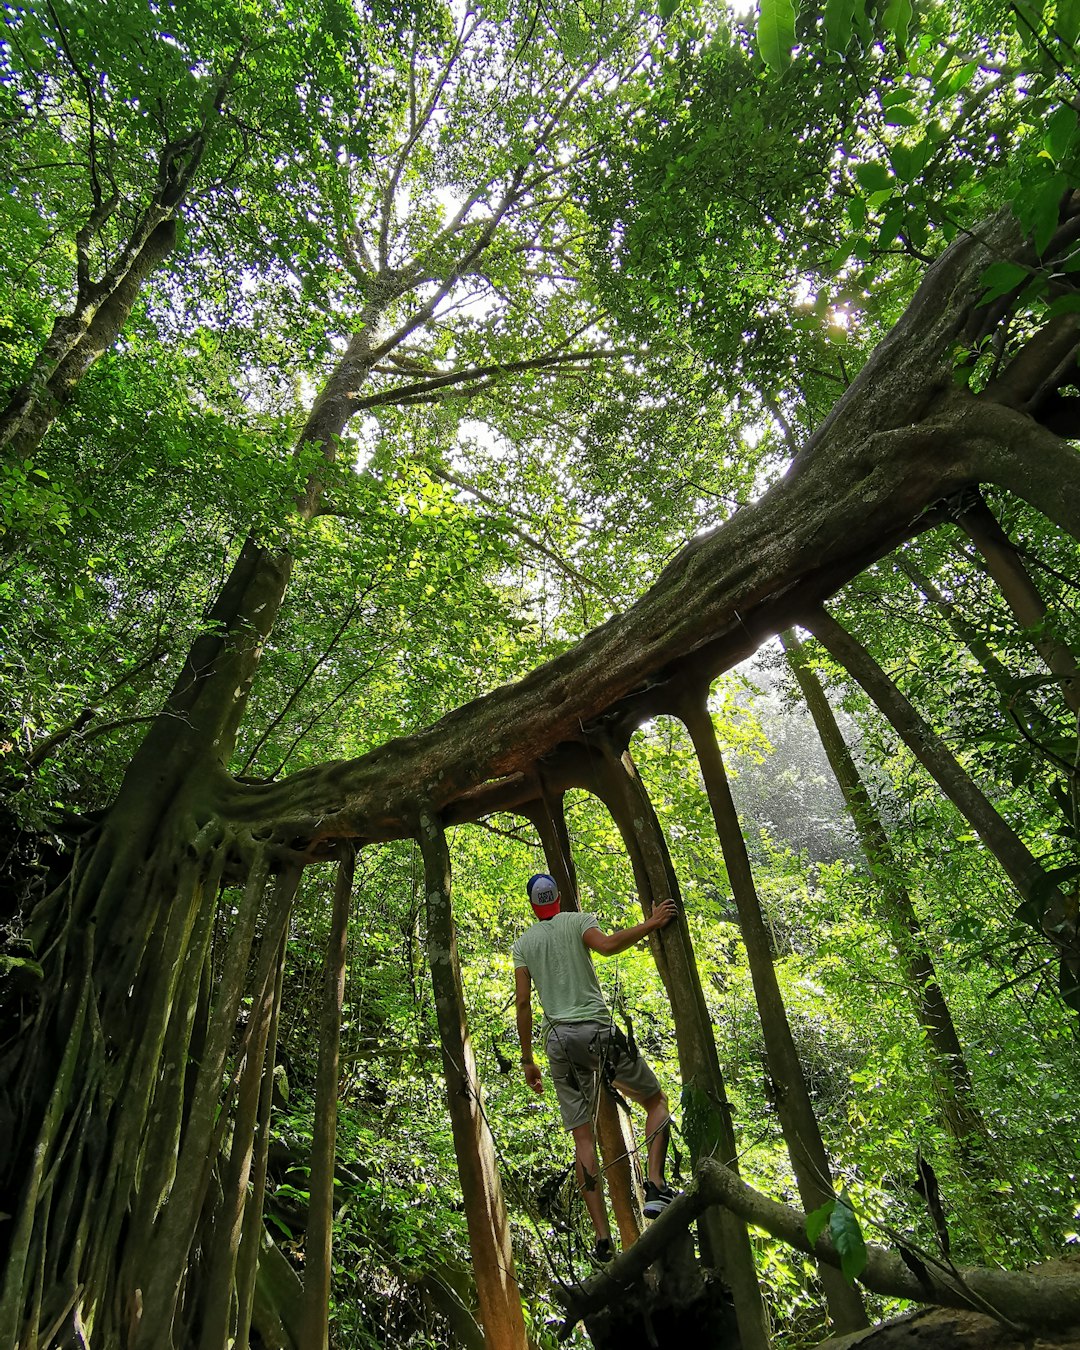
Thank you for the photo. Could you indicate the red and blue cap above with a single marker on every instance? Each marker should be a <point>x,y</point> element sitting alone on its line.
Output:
<point>543,895</point>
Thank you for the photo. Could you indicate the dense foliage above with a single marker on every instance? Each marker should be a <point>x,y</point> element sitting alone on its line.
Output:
<point>479,315</point>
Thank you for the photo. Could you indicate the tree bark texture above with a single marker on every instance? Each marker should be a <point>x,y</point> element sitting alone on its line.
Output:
<point>802,1137</point>
<point>485,1212</point>
<point>699,1068</point>
<point>319,1235</point>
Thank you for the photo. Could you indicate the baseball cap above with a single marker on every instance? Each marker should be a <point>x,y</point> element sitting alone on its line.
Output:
<point>543,895</point>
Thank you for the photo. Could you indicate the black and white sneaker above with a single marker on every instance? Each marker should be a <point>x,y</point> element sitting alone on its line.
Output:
<point>657,1199</point>
<point>603,1252</point>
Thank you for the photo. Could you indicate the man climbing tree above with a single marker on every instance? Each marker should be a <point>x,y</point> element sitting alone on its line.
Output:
<point>585,1049</point>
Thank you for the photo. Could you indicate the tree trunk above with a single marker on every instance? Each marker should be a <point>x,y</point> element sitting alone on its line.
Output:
<point>318,1265</point>
<point>37,403</point>
<point>929,749</point>
<point>548,817</point>
<point>728,1240</point>
<point>960,1114</point>
<point>485,1212</point>
<point>806,1149</point>
<point>1057,913</point>
<point>1022,596</point>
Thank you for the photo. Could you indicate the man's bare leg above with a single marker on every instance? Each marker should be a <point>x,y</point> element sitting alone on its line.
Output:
<point>657,1132</point>
<point>590,1182</point>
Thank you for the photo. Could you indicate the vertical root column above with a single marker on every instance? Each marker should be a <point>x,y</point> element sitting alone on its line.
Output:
<point>805,1147</point>
<point>317,1248</point>
<point>485,1212</point>
<point>218,1286</point>
<point>626,798</point>
<point>155,1276</point>
<point>105,1138</point>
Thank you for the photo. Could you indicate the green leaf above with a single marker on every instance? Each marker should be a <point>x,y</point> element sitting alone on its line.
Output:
<point>1066,25</point>
<point>776,33</point>
<point>842,254</point>
<point>898,16</point>
<point>847,1238</point>
<point>1061,132</point>
<point>902,117</point>
<point>959,79</point>
<point>1037,207</point>
<point>874,177</point>
<point>666,8</point>
<point>839,19</point>
<point>1000,278</point>
<point>891,225</point>
<point>1064,304</point>
<point>818,1219</point>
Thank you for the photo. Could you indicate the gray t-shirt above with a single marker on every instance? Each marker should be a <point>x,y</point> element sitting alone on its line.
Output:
<point>561,968</point>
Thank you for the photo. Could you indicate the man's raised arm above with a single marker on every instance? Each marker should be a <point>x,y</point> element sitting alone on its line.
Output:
<point>611,944</point>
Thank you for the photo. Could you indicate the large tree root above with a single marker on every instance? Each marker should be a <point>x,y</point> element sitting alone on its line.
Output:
<point>1020,1299</point>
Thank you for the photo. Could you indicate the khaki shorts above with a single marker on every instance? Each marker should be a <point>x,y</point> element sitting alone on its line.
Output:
<point>579,1054</point>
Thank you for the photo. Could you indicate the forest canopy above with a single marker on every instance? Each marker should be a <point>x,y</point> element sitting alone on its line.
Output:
<point>631,442</point>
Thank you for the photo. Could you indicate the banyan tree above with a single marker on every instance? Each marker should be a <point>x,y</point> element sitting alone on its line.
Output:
<point>138,1046</point>
<point>135,1167</point>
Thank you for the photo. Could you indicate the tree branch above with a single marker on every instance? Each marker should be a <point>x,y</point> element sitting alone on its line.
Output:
<point>1014,1297</point>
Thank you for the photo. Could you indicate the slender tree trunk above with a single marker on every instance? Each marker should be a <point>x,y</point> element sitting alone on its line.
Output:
<point>1022,596</point>
<point>806,1149</point>
<point>172,1239</point>
<point>1057,913</point>
<point>485,1212</point>
<point>219,1264</point>
<point>965,631</point>
<point>960,1113</point>
<point>36,405</point>
<point>632,811</point>
<point>929,749</point>
<point>102,307</point>
<point>548,816</point>
<point>317,1246</point>
<point>254,1234</point>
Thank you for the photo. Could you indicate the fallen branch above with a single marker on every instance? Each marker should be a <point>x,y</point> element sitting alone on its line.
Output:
<point>1020,1298</point>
